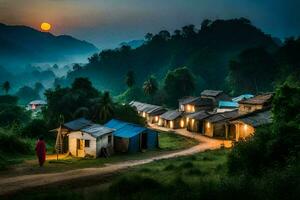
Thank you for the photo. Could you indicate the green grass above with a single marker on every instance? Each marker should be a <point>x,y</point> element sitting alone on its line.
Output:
<point>179,178</point>
<point>168,142</point>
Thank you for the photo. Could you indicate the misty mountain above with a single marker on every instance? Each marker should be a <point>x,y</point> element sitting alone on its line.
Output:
<point>21,45</point>
<point>205,51</point>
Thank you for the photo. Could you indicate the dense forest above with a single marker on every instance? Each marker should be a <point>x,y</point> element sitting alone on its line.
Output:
<point>205,52</point>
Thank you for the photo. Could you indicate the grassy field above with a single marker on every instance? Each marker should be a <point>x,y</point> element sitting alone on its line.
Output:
<point>179,178</point>
<point>168,142</point>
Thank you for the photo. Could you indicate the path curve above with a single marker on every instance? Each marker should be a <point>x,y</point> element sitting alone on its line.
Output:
<point>14,184</point>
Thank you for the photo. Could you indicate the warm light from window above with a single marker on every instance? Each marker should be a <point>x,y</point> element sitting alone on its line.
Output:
<point>245,127</point>
<point>171,124</point>
<point>144,114</point>
<point>208,125</point>
<point>182,123</point>
<point>156,118</point>
<point>193,122</point>
<point>187,120</point>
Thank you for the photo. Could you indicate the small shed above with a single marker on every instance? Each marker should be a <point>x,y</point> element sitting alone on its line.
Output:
<point>92,140</point>
<point>194,104</point>
<point>36,105</point>
<point>195,121</point>
<point>245,125</point>
<point>173,119</point>
<point>216,125</point>
<point>131,137</point>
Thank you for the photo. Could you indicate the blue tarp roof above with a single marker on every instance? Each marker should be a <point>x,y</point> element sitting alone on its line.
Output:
<point>124,129</point>
<point>228,104</point>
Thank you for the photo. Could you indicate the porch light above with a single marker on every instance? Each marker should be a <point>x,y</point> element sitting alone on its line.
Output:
<point>208,125</point>
<point>245,127</point>
<point>156,118</point>
<point>187,120</point>
<point>182,123</point>
<point>171,124</point>
<point>144,114</point>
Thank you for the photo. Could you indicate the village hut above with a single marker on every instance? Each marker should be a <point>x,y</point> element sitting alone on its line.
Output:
<point>148,111</point>
<point>215,95</point>
<point>195,104</point>
<point>216,125</point>
<point>173,119</point>
<point>242,97</point>
<point>195,121</point>
<point>93,140</point>
<point>258,102</point>
<point>131,137</point>
<point>36,105</point>
<point>244,126</point>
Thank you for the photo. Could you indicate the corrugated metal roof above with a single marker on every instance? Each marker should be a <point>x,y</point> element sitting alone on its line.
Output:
<point>211,93</point>
<point>242,97</point>
<point>97,130</point>
<point>228,104</point>
<point>218,117</point>
<point>199,115</point>
<point>171,115</point>
<point>197,101</point>
<point>257,118</point>
<point>124,129</point>
<point>148,108</point>
<point>78,124</point>
<point>38,102</point>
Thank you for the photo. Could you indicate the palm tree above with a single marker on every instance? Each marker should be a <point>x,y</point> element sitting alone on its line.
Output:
<point>104,107</point>
<point>130,80</point>
<point>150,86</point>
<point>6,87</point>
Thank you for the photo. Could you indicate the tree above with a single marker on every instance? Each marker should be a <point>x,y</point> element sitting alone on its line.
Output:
<point>39,87</point>
<point>55,66</point>
<point>188,31</point>
<point>205,24</point>
<point>104,107</point>
<point>178,83</point>
<point>148,37</point>
<point>130,79</point>
<point>164,34</point>
<point>85,87</point>
<point>150,86</point>
<point>27,94</point>
<point>6,87</point>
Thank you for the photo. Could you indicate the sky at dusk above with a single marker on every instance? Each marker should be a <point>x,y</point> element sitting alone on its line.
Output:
<point>106,23</point>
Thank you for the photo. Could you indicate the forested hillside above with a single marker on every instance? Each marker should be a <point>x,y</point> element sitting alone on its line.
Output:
<point>206,52</point>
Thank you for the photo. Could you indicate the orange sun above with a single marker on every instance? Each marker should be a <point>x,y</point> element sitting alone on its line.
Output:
<point>45,26</point>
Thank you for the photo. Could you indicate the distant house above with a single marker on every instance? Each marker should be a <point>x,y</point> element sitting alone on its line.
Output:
<point>255,103</point>
<point>195,121</point>
<point>215,95</point>
<point>84,138</point>
<point>173,119</point>
<point>194,104</point>
<point>131,137</point>
<point>148,111</point>
<point>216,125</point>
<point>245,125</point>
<point>36,105</point>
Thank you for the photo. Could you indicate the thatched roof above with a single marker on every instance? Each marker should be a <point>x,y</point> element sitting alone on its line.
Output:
<point>171,115</point>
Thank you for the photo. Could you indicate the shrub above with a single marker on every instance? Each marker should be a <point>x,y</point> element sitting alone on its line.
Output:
<point>36,128</point>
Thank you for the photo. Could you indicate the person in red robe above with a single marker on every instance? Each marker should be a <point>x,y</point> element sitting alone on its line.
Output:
<point>41,150</point>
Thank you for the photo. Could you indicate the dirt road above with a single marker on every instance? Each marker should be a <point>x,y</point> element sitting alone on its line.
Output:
<point>14,184</point>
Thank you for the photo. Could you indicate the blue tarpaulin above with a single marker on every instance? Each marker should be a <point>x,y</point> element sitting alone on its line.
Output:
<point>133,133</point>
<point>228,104</point>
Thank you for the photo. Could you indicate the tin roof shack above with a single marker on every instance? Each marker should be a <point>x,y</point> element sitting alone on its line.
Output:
<point>215,95</point>
<point>256,103</point>
<point>244,126</point>
<point>81,137</point>
<point>216,125</point>
<point>93,140</point>
<point>173,119</point>
<point>194,104</point>
<point>36,105</point>
<point>148,111</point>
<point>195,121</point>
<point>131,137</point>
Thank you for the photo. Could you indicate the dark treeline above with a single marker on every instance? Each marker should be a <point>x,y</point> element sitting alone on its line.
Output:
<point>206,52</point>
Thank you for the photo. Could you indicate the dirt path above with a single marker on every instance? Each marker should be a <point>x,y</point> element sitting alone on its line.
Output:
<point>14,184</point>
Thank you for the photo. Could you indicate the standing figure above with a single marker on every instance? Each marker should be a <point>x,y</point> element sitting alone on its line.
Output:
<point>41,150</point>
